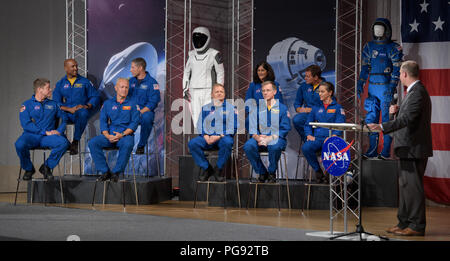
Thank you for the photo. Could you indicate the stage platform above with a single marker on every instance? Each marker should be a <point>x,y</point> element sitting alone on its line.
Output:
<point>379,189</point>
<point>152,190</point>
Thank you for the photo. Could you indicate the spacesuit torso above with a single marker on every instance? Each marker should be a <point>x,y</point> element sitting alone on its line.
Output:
<point>203,69</point>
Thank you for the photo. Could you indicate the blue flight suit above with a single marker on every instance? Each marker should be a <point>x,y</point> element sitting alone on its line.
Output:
<point>334,113</point>
<point>81,92</point>
<point>254,91</point>
<point>261,123</point>
<point>115,117</point>
<point>145,93</point>
<point>306,97</point>
<point>215,122</point>
<point>36,118</point>
<point>380,63</point>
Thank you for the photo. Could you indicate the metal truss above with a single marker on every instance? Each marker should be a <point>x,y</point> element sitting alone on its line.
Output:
<point>242,65</point>
<point>348,50</point>
<point>233,38</point>
<point>76,33</point>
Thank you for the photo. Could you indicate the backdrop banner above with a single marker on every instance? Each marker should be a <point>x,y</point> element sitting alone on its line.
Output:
<point>290,36</point>
<point>118,32</point>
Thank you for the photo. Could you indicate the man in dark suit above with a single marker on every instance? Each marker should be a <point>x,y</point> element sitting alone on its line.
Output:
<point>412,144</point>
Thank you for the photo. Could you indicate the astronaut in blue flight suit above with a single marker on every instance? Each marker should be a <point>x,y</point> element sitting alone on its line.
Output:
<point>78,98</point>
<point>217,125</point>
<point>307,97</point>
<point>263,72</point>
<point>119,119</point>
<point>39,117</point>
<point>269,125</point>
<point>380,63</point>
<point>328,111</point>
<point>144,90</point>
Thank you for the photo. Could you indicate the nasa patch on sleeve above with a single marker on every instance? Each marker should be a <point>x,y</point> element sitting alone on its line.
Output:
<point>336,156</point>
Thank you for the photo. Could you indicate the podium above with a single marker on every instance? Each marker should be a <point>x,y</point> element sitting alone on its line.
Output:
<point>340,195</point>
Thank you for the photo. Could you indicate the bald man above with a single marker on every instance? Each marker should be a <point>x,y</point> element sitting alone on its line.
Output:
<point>77,98</point>
<point>119,119</point>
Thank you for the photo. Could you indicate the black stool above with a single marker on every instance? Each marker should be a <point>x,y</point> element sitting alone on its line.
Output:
<point>279,173</point>
<point>120,180</point>
<point>214,153</point>
<point>20,178</point>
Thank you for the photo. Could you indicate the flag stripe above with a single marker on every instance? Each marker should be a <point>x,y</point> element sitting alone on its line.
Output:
<point>436,81</point>
<point>440,133</point>
<point>439,111</point>
<point>432,55</point>
<point>437,189</point>
<point>439,165</point>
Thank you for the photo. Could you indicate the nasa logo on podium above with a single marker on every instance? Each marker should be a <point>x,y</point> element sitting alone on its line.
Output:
<point>336,156</point>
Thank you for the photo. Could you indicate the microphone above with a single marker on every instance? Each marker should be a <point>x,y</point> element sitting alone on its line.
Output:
<point>393,102</point>
<point>394,99</point>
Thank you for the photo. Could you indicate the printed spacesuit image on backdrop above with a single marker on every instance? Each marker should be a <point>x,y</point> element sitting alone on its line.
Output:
<point>285,39</point>
<point>120,31</point>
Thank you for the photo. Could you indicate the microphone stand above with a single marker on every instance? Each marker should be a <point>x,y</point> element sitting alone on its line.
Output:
<point>359,227</point>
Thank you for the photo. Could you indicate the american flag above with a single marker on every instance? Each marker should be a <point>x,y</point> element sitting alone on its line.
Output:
<point>426,39</point>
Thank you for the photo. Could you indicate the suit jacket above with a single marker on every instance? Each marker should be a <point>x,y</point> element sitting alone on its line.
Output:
<point>412,127</point>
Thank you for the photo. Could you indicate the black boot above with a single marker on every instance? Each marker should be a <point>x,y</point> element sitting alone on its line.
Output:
<point>272,178</point>
<point>320,177</point>
<point>115,177</point>
<point>28,175</point>
<point>262,178</point>
<point>218,174</point>
<point>205,174</point>
<point>74,147</point>
<point>104,176</point>
<point>46,171</point>
<point>140,150</point>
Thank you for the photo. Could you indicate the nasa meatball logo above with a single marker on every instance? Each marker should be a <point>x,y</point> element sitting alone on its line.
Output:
<point>336,156</point>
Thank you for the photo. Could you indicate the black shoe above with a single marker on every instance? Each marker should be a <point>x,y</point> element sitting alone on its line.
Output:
<point>381,157</point>
<point>320,177</point>
<point>28,175</point>
<point>262,178</point>
<point>104,176</point>
<point>203,175</point>
<point>271,178</point>
<point>140,150</point>
<point>218,174</point>
<point>74,147</point>
<point>115,177</point>
<point>46,171</point>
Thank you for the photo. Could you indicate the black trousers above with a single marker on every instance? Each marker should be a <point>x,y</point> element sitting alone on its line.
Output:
<point>411,209</point>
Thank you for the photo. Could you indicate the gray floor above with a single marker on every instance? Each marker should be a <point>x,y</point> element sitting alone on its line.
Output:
<point>25,222</point>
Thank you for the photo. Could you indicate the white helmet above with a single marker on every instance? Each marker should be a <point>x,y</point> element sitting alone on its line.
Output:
<point>200,39</point>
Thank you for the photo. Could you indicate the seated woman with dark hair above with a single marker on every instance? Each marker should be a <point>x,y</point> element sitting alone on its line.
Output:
<point>328,111</point>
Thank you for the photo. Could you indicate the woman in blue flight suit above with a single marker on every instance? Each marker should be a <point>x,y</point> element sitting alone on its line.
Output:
<point>263,72</point>
<point>329,111</point>
<point>217,124</point>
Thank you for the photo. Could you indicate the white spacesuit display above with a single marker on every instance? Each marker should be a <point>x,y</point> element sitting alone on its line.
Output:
<point>203,69</point>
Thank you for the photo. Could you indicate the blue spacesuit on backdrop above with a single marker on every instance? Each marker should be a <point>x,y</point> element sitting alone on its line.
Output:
<point>380,63</point>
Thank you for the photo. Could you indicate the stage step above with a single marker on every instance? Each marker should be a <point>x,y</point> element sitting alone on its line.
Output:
<point>77,189</point>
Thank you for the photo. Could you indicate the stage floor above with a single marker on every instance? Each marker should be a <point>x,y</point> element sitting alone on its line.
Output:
<point>375,219</point>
